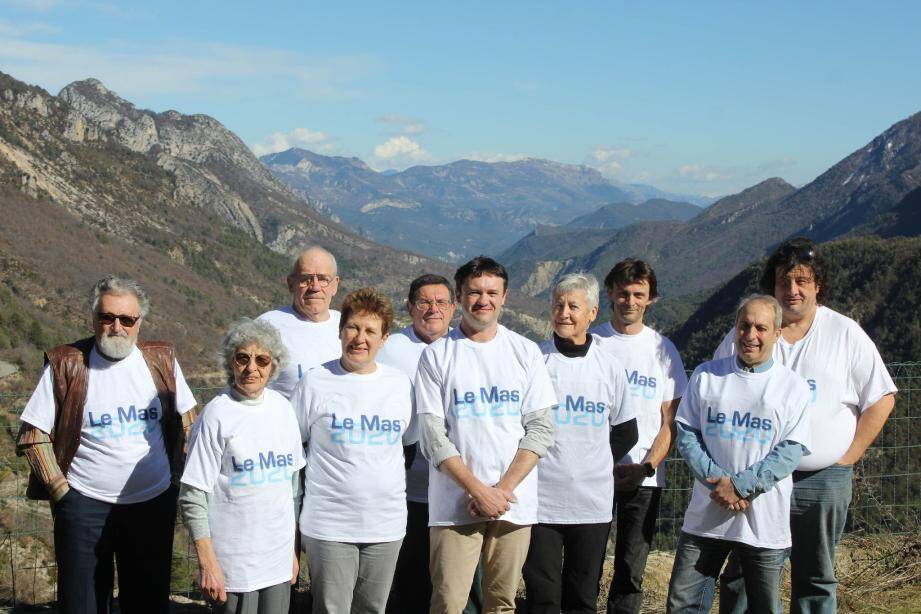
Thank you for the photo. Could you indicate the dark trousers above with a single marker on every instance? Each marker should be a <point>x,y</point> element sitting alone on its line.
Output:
<point>563,567</point>
<point>636,512</point>
<point>89,534</point>
<point>412,583</point>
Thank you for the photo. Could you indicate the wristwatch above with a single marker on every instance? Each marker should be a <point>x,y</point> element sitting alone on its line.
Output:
<point>650,470</point>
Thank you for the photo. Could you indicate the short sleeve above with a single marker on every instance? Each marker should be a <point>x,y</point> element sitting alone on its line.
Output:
<point>206,453</point>
<point>185,400</point>
<point>869,379</point>
<point>539,393</point>
<point>622,399</point>
<point>727,346</point>
<point>428,392</point>
<point>798,426</point>
<point>39,411</point>
<point>677,378</point>
<point>301,400</point>
<point>300,460</point>
<point>412,434</point>
<point>689,408</point>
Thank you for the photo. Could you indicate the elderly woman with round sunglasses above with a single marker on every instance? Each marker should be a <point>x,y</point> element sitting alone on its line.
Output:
<point>240,485</point>
<point>595,426</point>
<point>355,417</point>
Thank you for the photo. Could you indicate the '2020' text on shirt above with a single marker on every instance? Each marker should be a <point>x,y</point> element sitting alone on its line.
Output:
<point>244,456</point>
<point>655,375</point>
<point>741,416</point>
<point>482,390</point>
<point>309,344</point>
<point>121,457</point>
<point>576,478</point>
<point>403,350</point>
<point>354,427</point>
<point>845,373</point>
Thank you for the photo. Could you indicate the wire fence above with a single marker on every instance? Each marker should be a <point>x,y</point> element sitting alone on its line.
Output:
<point>887,499</point>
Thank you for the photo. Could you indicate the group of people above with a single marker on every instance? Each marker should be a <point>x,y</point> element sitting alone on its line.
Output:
<point>433,468</point>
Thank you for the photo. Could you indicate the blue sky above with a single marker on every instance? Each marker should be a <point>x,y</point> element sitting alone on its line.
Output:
<point>696,97</point>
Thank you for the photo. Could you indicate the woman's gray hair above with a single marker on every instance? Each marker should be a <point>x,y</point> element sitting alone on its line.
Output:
<point>586,282</point>
<point>111,284</point>
<point>245,331</point>
<point>762,298</point>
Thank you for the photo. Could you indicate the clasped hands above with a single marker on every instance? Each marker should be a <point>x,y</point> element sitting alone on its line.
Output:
<point>490,501</point>
<point>724,494</point>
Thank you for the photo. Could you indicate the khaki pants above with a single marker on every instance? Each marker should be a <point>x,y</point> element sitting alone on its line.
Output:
<point>455,552</point>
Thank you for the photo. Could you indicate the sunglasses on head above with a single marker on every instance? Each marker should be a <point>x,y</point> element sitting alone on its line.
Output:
<point>109,318</point>
<point>242,359</point>
<point>803,253</point>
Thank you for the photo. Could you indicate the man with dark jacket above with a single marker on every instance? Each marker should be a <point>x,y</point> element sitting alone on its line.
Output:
<point>104,434</point>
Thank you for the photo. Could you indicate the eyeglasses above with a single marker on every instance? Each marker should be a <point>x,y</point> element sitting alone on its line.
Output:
<point>242,359</point>
<point>305,281</point>
<point>109,319</point>
<point>802,253</point>
<point>440,304</point>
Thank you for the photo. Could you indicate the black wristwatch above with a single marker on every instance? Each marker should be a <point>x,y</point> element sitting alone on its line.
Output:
<point>650,470</point>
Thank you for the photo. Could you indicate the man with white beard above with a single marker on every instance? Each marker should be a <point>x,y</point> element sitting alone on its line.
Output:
<point>104,434</point>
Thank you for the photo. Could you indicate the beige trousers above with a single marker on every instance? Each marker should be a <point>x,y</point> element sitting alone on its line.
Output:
<point>454,554</point>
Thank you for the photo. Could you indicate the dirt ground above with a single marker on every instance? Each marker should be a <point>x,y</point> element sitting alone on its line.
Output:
<point>877,575</point>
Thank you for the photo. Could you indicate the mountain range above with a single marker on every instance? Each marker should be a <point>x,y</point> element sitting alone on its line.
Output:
<point>90,185</point>
<point>852,197</point>
<point>451,211</point>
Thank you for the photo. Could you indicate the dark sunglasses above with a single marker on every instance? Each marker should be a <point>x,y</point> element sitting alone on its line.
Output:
<point>802,253</point>
<point>109,318</point>
<point>242,359</point>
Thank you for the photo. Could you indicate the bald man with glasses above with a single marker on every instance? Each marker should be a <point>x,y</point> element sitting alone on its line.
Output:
<point>309,328</point>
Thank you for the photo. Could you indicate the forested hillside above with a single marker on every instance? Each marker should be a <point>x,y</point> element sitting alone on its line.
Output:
<point>875,281</point>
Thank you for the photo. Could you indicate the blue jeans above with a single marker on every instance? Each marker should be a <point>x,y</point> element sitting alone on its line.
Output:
<point>698,561</point>
<point>818,511</point>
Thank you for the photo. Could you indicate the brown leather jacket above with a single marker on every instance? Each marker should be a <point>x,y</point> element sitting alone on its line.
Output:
<point>69,366</point>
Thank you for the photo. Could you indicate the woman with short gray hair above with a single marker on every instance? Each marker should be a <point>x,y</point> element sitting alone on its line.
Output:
<point>241,477</point>
<point>595,426</point>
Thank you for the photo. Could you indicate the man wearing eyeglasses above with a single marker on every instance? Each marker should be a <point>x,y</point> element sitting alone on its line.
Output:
<point>308,327</point>
<point>431,307</point>
<point>104,434</point>
<point>852,396</point>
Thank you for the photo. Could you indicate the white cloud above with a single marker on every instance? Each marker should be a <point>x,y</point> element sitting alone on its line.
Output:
<point>608,160</point>
<point>481,156</point>
<point>698,172</point>
<point>299,137</point>
<point>138,70</point>
<point>606,154</point>
<point>403,123</point>
<point>398,151</point>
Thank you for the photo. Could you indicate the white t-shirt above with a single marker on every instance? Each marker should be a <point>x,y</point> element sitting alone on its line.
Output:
<point>121,457</point>
<point>244,456</point>
<point>576,478</point>
<point>309,344</point>
<point>403,350</point>
<point>655,375</point>
<point>482,390</point>
<point>845,373</point>
<point>354,427</point>
<point>742,416</point>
